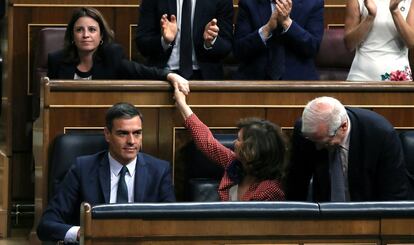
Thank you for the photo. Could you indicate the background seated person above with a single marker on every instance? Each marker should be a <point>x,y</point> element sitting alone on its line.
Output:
<point>254,171</point>
<point>278,39</point>
<point>353,155</point>
<point>89,53</point>
<point>120,175</point>
<point>381,32</point>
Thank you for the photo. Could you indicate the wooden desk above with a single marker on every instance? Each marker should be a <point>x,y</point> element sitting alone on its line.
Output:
<point>182,224</point>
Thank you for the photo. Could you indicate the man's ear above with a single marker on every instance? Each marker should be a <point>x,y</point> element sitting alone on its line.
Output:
<point>107,134</point>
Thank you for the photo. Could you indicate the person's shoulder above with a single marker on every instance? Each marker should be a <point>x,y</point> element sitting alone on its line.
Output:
<point>153,160</point>
<point>56,55</point>
<point>112,48</point>
<point>370,118</point>
<point>87,161</point>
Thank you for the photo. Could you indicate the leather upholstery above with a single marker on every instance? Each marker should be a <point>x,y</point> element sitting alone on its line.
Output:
<point>50,39</point>
<point>407,142</point>
<point>207,210</point>
<point>65,149</point>
<point>334,60</point>
<point>265,210</point>
<point>367,209</point>
<point>203,175</point>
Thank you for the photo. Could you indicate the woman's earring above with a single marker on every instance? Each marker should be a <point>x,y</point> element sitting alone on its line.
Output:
<point>73,42</point>
<point>101,42</point>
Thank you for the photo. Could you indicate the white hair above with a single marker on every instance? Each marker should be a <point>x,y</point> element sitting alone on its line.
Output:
<point>323,111</point>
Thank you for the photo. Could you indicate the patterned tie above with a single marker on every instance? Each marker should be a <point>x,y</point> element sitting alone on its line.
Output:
<point>122,193</point>
<point>186,47</point>
<point>337,177</point>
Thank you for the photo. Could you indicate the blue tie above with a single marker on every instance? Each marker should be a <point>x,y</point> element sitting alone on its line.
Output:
<point>122,193</point>
<point>337,177</point>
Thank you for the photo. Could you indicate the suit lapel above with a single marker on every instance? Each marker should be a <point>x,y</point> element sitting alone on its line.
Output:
<point>355,157</point>
<point>105,178</point>
<point>141,175</point>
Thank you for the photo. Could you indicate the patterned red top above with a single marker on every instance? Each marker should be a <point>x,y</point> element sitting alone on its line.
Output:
<point>267,190</point>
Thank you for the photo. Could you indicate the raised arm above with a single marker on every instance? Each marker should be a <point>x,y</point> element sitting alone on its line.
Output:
<point>202,135</point>
<point>404,27</point>
<point>356,26</point>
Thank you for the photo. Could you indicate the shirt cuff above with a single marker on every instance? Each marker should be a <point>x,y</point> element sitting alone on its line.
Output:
<point>287,28</point>
<point>72,235</point>
<point>165,45</point>
<point>264,39</point>
<point>212,43</point>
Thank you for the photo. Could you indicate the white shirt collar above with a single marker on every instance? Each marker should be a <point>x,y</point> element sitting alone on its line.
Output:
<point>116,166</point>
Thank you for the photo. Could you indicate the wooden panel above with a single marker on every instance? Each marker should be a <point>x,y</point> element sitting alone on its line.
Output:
<point>4,195</point>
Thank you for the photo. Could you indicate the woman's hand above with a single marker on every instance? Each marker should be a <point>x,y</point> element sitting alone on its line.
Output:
<point>179,82</point>
<point>394,5</point>
<point>372,7</point>
<point>181,103</point>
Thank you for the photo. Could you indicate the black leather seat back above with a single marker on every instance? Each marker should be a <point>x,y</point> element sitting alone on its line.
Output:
<point>407,141</point>
<point>203,176</point>
<point>50,39</point>
<point>333,60</point>
<point>64,151</point>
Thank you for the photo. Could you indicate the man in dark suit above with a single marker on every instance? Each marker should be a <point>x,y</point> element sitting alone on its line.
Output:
<point>161,32</point>
<point>278,39</point>
<point>121,174</point>
<point>361,143</point>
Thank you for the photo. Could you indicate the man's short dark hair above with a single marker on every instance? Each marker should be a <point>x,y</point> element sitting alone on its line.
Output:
<point>121,110</point>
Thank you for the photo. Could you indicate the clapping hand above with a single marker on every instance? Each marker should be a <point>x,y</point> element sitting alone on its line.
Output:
<point>283,7</point>
<point>168,28</point>
<point>394,5</point>
<point>372,7</point>
<point>211,31</point>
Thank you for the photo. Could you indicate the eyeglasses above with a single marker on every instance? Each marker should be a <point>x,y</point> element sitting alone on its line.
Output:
<point>326,141</point>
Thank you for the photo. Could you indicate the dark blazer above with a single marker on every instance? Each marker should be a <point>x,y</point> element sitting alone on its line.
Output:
<point>148,39</point>
<point>89,180</point>
<point>300,43</point>
<point>112,65</point>
<point>376,167</point>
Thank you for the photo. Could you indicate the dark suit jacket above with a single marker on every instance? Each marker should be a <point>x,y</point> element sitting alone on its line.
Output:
<point>149,36</point>
<point>376,167</point>
<point>89,181</point>
<point>111,64</point>
<point>301,42</point>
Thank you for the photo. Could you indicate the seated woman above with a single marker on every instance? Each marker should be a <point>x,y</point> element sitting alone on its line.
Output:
<point>254,171</point>
<point>381,31</point>
<point>89,53</point>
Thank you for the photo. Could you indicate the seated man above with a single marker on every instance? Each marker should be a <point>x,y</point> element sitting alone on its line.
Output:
<point>352,154</point>
<point>121,174</point>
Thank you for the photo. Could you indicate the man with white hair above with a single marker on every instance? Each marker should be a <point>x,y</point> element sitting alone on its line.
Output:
<point>350,154</point>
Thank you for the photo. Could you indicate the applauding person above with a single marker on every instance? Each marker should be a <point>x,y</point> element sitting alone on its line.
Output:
<point>381,32</point>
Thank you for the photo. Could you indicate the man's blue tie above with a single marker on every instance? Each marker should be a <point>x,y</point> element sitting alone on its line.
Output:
<point>122,193</point>
<point>337,177</point>
<point>186,47</point>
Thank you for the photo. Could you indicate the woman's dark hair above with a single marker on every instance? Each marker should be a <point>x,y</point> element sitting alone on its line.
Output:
<point>263,149</point>
<point>70,49</point>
